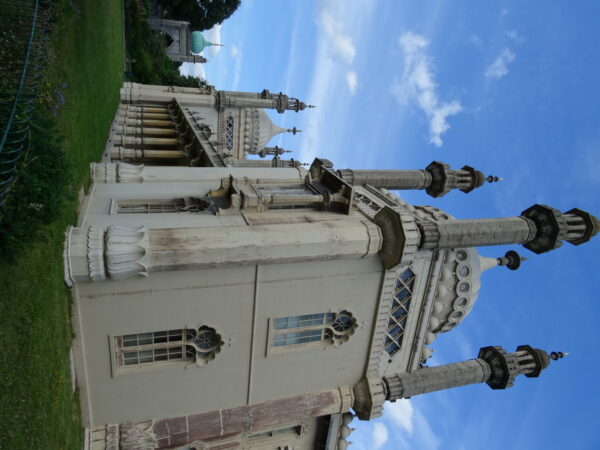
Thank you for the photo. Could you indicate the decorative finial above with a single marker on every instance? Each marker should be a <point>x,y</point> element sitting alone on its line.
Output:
<point>511,259</point>
<point>493,179</point>
<point>310,106</point>
<point>294,131</point>
<point>557,355</point>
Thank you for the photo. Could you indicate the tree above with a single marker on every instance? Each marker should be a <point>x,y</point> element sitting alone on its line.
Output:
<point>202,14</point>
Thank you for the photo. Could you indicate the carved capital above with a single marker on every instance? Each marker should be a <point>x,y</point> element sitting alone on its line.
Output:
<point>369,396</point>
<point>347,398</point>
<point>93,254</point>
<point>126,252</point>
<point>130,173</point>
<point>400,236</point>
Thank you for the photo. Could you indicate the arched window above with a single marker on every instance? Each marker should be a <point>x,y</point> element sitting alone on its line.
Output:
<point>330,328</point>
<point>196,345</point>
<point>399,312</point>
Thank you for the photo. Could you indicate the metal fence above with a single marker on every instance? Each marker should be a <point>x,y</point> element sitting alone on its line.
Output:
<point>23,44</point>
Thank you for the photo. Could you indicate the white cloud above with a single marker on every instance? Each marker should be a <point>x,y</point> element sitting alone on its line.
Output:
<point>401,413</point>
<point>339,42</point>
<point>352,82</point>
<point>475,40</point>
<point>213,35</point>
<point>233,51</point>
<point>380,434</point>
<point>193,69</point>
<point>512,34</point>
<point>499,67</point>
<point>417,84</point>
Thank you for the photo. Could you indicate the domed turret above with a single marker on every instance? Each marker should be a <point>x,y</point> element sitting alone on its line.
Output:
<point>258,130</point>
<point>456,292</point>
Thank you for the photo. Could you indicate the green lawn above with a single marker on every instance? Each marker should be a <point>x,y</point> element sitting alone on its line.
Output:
<point>37,407</point>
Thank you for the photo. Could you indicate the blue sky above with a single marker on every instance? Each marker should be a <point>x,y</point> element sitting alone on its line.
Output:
<point>511,88</point>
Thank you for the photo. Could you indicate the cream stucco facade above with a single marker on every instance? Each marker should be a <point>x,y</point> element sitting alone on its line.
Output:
<point>223,302</point>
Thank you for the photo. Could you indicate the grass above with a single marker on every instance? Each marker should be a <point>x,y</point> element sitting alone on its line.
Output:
<point>37,407</point>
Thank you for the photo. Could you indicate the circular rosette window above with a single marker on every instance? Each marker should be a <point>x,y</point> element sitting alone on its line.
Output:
<point>341,328</point>
<point>204,345</point>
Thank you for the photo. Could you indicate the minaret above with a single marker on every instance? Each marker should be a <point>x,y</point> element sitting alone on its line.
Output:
<point>539,228</point>
<point>493,366</point>
<point>264,99</point>
<point>437,179</point>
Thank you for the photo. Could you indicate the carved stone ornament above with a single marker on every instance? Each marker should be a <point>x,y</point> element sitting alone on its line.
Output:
<point>84,255</point>
<point>126,252</point>
<point>400,236</point>
<point>138,436</point>
<point>104,172</point>
<point>94,254</point>
<point>369,397</point>
<point>130,173</point>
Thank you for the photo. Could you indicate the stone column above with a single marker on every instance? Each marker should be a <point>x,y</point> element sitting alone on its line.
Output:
<point>186,248</point>
<point>121,172</point>
<point>388,179</point>
<point>95,254</point>
<point>136,94</point>
<point>123,120</point>
<point>476,232</point>
<point>132,154</point>
<point>431,379</point>
<point>144,131</point>
<point>141,142</point>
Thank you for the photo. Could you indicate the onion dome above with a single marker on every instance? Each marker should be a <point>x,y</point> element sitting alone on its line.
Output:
<point>456,292</point>
<point>199,43</point>
<point>258,130</point>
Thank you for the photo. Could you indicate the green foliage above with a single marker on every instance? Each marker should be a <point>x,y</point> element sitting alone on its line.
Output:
<point>41,187</point>
<point>146,51</point>
<point>202,14</point>
<point>38,409</point>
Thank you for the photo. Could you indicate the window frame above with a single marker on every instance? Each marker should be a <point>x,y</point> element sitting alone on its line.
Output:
<point>176,202</point>
<point>324,341</point>
<point>405,282</point>
<point>187,342</point>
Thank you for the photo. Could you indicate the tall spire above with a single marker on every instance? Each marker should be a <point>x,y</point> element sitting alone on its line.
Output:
<point>437,178</point>
<point>493,366</point>
<point>265,99</point>
<point>539,229</point>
